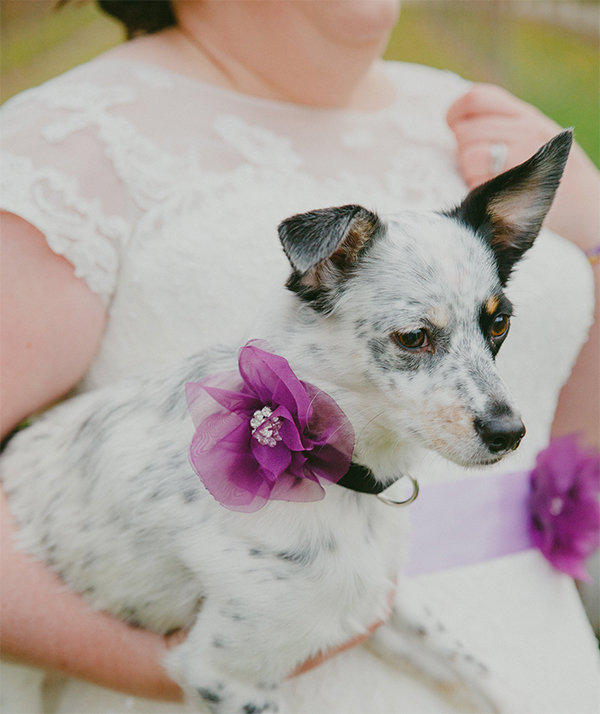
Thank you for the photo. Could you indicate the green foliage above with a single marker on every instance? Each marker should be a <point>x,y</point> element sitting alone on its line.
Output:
<point>24,41</point>
<point>40,41</point>
<point>559,73</point>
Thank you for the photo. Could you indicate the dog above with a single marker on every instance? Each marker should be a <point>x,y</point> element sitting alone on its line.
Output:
<point>398,319</point>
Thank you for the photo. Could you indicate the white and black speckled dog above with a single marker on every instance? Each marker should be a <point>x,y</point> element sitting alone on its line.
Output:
<point>399,320</point>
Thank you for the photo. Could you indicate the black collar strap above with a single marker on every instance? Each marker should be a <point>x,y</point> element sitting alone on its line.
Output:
<point>359,478</point>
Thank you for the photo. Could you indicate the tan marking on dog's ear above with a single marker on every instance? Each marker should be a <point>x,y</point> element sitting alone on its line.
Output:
<point>438,316</point>
<point>492,304</point>
<point>513,212</point>
<point>360,232</point>
<point>317,275</point>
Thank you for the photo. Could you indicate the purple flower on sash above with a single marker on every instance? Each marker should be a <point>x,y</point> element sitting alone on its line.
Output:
<point>564,506</point>
<point>262,434</point>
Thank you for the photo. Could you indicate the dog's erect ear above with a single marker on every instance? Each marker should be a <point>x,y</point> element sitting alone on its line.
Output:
<point>323,246</point>
<point>508,211</point>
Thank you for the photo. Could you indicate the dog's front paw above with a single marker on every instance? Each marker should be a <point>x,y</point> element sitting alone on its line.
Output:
<point>211,690</point>
<point>232,697</point>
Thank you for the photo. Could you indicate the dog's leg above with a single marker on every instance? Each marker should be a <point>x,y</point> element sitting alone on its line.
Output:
<point>228,663</point>
<point>421,646</point>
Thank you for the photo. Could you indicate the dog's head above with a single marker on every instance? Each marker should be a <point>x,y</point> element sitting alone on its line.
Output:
<point>406,314</point>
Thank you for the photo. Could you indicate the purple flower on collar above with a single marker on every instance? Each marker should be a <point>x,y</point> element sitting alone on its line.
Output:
<point>565,512</point>
<point>262,434</point>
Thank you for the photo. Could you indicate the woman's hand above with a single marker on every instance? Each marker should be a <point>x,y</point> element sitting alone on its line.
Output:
<point>487,115</point>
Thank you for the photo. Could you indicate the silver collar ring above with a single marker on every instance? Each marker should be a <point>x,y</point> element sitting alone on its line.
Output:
<point>410,499</point>
<point>498,154</point>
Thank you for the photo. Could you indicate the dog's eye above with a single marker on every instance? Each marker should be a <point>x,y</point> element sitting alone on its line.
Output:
<point>411,340</point>
<point>500,325</point>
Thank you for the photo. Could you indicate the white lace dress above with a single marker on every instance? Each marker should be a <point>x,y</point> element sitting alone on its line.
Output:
<point>165,194</point>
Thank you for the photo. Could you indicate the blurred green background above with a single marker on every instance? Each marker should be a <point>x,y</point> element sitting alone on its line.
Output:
<point>544,51</point>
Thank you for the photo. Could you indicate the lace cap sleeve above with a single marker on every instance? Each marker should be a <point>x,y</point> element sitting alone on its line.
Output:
<point>57,174</point>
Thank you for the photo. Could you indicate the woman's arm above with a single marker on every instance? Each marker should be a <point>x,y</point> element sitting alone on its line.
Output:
<point>51,327</point>
<point>46,625</point>
<point>51,323</point>
<point>489,114</point>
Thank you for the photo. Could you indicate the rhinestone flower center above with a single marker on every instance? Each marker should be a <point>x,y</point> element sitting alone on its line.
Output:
<point>265,427</point>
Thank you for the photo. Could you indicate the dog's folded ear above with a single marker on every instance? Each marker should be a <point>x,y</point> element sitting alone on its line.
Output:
<point>323,246</point>
<point>508,210</point>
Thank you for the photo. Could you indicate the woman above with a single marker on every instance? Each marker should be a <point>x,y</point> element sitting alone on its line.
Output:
<point>188,146</point>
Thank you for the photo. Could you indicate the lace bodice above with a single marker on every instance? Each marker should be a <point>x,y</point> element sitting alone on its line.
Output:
<point>165,193</point>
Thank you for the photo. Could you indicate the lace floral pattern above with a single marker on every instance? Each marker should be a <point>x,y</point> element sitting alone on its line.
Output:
<point>256,145</point>
<point>75,228</point>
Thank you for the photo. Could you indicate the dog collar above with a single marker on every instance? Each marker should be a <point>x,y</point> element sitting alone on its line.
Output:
<point>360,478</point>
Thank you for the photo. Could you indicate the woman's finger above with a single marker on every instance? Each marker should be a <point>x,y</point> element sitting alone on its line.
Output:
<point>484,99</point>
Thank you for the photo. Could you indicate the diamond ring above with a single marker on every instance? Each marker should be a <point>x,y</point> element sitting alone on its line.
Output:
<point>498,154</point>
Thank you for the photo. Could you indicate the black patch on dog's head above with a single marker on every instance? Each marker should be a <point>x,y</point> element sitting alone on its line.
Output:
<point>323,246</point>
<point>508,210</point>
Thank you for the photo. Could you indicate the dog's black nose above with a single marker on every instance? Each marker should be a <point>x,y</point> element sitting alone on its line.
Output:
<point>500,433</point>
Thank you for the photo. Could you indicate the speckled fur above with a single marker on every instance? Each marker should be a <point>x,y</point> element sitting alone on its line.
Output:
<point>103,492</point>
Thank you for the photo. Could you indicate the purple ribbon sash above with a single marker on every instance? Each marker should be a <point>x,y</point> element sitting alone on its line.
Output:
<point>554,507</point>
<point>464,522</point>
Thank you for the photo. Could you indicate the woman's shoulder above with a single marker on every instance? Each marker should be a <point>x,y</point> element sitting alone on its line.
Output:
<point>58,172</point>
<point>441,85</point>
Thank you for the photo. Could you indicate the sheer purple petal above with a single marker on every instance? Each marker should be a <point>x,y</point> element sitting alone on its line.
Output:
<point>329,463</point>
<point>234,401</point>
<point>225,388</point>
<point>273,459</point>
<point>226,468</point>
<point>218,428</point>
<point>289,432</point>
<point>296,468</point>
<point>289,488</point>
<point>333,440</point>
<point>273,380</point>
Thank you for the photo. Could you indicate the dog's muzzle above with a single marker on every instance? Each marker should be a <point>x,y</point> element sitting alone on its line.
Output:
<point>500,434</point>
